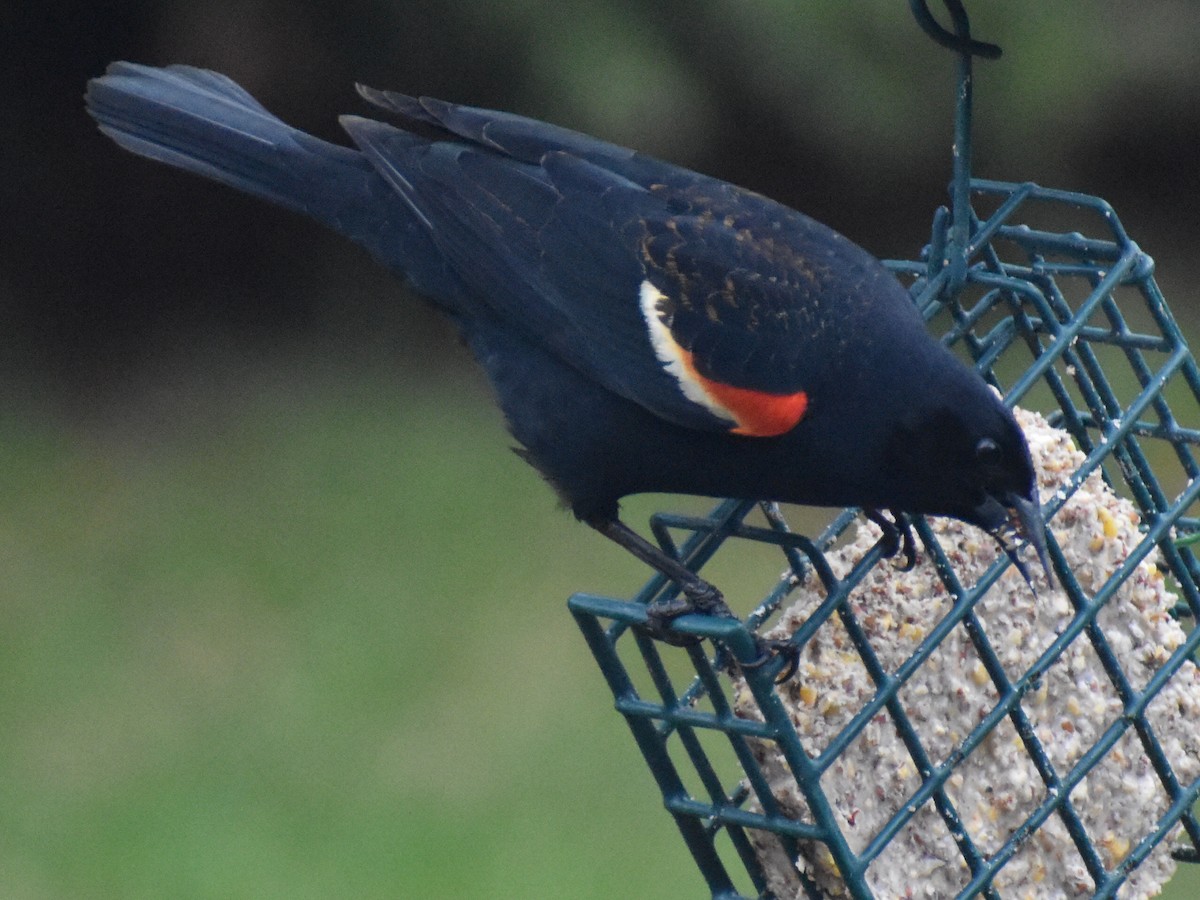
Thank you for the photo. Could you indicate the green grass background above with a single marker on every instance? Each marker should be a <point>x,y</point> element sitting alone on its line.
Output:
<point>298,629</point>
<point>297,635</point>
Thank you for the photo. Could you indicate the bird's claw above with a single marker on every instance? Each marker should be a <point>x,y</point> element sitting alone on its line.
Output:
<point>698,597</point>
<point>774,648</point>
<point>659,616</point>
<point>897,536</point>
<point>706,599</point>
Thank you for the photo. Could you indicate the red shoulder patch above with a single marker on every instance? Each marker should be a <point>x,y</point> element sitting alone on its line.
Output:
<point>757,413</point>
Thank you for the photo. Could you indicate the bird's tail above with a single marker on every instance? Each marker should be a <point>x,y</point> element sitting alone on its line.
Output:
<point>203,122</point>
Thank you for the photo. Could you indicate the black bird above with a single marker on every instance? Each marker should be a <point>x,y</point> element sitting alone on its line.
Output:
<point>645,327</point>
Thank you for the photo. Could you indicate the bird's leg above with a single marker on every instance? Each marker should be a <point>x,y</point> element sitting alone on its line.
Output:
<point>698,596</point>
<point>897,536</point>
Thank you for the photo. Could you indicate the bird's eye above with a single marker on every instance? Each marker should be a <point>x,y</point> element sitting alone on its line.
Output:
<point>987,451</point>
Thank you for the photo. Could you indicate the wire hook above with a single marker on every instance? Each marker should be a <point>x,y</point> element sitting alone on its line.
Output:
<point>953,229</point>
<point>962,42</point>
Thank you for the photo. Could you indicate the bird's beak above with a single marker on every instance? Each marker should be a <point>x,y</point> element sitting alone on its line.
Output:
<point>1019,517</point>
<point>1032,527</point>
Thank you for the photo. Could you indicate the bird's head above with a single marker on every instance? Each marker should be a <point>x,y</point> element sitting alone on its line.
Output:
<point>968,459</point>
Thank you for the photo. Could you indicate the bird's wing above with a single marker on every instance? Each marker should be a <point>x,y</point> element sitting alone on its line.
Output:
<point>516,137</point>
<point>701,302</point>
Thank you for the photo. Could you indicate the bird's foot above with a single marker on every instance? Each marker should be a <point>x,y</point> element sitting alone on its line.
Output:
<point>698,597</point>
<point>897,536</point>
<point>701,597</point>
<point>771,649</point>
<point>659,616</point>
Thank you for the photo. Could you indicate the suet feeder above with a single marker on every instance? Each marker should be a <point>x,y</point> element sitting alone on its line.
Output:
<point>949,733</point>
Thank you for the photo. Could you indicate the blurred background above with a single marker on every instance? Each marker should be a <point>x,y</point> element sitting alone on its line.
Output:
<point>279,613</point>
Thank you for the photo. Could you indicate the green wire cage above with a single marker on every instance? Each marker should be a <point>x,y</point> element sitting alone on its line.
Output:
<point>1074,768</point>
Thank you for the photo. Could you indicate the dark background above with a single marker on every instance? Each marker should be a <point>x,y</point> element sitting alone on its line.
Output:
<point>279,616</point>
<point>842,110</point>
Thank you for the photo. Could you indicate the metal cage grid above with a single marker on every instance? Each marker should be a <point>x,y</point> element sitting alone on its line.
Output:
<point>1069,322</point>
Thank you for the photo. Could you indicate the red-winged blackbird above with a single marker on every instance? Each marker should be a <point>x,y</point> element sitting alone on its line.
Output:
<point>646,328</point>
